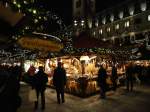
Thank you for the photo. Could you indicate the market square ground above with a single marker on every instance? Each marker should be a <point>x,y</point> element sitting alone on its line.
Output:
<point>119,101</point>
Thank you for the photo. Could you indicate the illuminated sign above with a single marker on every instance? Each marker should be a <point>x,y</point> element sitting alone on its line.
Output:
<point>40,44</point>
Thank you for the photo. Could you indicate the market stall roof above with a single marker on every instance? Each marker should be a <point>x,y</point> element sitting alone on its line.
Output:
<point>85,40</point>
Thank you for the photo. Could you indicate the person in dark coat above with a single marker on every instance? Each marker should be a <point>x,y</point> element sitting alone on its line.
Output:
<point>59,81</point>
<point>102,81</point>
<point>10,100</point>
<point>129,76</point>
<point>114,77</point>
<point>40,80</point>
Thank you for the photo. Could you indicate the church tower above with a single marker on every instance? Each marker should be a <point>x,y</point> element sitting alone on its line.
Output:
<point>83,12</point>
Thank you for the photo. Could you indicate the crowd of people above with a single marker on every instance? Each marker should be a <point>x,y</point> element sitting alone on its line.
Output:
<point>10,77</point>
<point>39,80</point>
<point>133,73</point>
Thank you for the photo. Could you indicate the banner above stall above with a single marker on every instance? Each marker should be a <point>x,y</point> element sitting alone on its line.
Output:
<point>40,44</point>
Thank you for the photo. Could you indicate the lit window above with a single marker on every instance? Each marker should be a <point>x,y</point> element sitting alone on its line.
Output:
<point>127,24</point>
<point>112,18</point>
<point>75,23</point>
<point>121,15</point>
<point>143,6</point>
<point>108,29</point>
<point>131,10</point>
<point>148,17</point>
<point>96,23</point>
<point>117,27</point>
<point>104,20</point>
<point>100,31</point>
<point>82,23</point>
<point>94,33</point>
<point>90,24</point>
<point>35,20</point>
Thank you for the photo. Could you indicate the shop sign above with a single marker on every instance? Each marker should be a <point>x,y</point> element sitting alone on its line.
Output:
<point>40,44</point>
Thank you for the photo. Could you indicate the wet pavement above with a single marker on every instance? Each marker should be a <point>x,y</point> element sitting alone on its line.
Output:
<point>119,101</point>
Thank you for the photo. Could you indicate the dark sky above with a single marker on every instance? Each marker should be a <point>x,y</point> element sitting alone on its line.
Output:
<point>104,4</point>
<point>64,7</point>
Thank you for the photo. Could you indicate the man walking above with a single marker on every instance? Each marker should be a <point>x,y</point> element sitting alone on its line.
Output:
<point>129,76</point>
<point>114,77</point>
<point>59,81</point>
<point>39,82</point>
<point>102,81</point>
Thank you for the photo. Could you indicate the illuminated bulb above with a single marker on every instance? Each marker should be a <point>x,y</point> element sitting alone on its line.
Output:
<point>45,37</point>
<point>75,21</point>
<point>104,39</point>
<point>35,21</point>
<point>45,18</point>
<point>34,11</point>
<point>14,2</point>
<point>25,2</point>
<point>82,21</point>
<point>18,5</point>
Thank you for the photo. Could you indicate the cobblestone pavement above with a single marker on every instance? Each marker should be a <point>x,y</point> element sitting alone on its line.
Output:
<point>119,101</point>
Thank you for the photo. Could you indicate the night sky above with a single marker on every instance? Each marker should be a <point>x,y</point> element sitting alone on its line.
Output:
<point>64,7</point>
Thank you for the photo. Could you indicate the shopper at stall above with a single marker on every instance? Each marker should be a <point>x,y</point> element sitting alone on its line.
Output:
<point>31,70</point>
<point>59,81</point>
<point>102,81</point>
<point>129,76</point>
<point>114,77</point>
<point>39,83</point>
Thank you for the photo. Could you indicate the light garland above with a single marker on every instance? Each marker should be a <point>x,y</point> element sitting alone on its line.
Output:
<point>41,17</point>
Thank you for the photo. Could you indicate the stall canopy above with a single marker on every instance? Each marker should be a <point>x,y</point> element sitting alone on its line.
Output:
<point>85,40</point>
